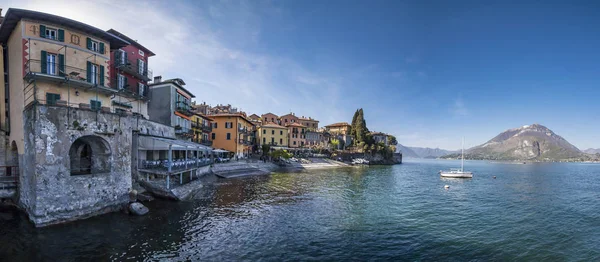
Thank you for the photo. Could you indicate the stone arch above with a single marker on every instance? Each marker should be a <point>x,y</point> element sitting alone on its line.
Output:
<point>89,155</point>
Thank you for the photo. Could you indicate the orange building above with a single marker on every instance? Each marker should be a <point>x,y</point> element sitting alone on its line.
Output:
<point>233,132</point>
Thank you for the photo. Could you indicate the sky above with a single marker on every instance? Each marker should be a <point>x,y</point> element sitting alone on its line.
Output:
<point>428,72</point>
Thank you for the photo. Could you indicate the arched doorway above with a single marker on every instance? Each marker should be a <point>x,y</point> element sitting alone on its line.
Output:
<point>89,155</point>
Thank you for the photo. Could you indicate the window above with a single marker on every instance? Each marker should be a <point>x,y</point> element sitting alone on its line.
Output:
<point>294,142</point>
<point>141,89</point>
<point>228,136</point>
<point>214,126</point>
<point>286,120</point>
<point>51,33</point>
<point>122,57</point>
<point>264,131</point>
<point>141,67</point>
<point>93,74</point>
<point>95,105</point>
<point>272,132</point>
<point>213,136</point>
<point>52,98</point>
<point>281,141</point>
<point>140,52</point>
<point>264,140</point>
<point>121,81</point>
<point>95,46</point>
<point>51,64</point>
<point>280,132</point>
<point>272,140</point>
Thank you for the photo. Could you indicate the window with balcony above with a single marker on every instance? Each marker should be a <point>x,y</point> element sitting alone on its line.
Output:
<point>51,64</point>
<point>141,89</point>
<point>141,67</point>
<point>122,57</point>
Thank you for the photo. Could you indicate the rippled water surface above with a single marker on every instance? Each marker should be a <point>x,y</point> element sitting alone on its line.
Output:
<point>529,212</point>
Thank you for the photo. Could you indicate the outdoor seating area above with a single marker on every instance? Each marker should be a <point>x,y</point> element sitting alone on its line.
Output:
<point>176,163</point>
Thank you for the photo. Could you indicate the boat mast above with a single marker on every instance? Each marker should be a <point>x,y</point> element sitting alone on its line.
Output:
<point>462,160</point>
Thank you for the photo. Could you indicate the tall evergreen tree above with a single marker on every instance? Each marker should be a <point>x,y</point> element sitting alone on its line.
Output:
<point>353,126</point>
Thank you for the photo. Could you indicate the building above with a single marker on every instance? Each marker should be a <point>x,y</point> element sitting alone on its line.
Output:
<point>309,123</point>
<point>233,132</point>
<point>296,133</point>
<point>341,128</point>
<point>290,118</point>
<point>270,117</point>
<point>202,128</point>
<point>254,117</point>
<point>75,159</point>
<point>172,106</point>
<point>130,75</point>
<point>380,138</point>
<point>272,134</point>
<point>316,139</point>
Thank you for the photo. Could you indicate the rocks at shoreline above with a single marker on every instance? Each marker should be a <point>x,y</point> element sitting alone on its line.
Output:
<point>137,208</point>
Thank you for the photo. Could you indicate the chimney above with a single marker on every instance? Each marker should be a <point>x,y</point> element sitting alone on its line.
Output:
<point>157,79</point>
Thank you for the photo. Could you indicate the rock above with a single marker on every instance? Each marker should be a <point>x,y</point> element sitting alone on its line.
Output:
<point>144,197</point>
<point>138,209</point>
<point>133,195</point>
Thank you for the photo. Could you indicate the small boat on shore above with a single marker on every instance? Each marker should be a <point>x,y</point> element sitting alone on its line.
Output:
<point>455,172</point>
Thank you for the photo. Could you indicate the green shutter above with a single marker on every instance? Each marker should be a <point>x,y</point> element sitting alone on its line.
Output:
<point>101,45</point>
<point>89,72</point>
<point>124,82</point>
<point>44,62</point>
<point>43,31</point>
<point>61,65</point>
<point>101,75</point>
<point>89,43</point>
<point>95,105</point>
<point>61,35</point>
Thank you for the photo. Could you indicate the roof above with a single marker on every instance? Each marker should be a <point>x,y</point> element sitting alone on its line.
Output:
<point>178,82</point>
<point>295,124</point>
<point>233,115</point>
<point>254,116</point>
<point>14,15</point>
<point>290,114</point>
<point>338,124</point>
<point>308,119</point>
<point>146,142</point>
<point>269,114</point>
<point>273,125</point>
<point>131,41</point>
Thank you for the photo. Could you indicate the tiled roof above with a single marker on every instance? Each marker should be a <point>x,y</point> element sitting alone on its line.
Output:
<point>295,124</point>
<point>234,115</point>
<point>338,124</point>
<point>273,125</point>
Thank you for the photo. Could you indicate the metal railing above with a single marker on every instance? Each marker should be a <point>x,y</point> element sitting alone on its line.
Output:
<point>131,66</point>
<point>184,108</point>
<point>176,164</point>
<point>53,69</point>
<point>130,89</point>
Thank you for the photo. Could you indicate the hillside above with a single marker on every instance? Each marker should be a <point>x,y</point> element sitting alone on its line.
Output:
<point>530,142</point>
<point>427,152</point>
<point>406,152</point>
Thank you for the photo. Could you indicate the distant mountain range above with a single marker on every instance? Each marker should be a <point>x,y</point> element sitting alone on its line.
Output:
<point>592,151</point>
<point>530,142</point>
<point>423,152</point>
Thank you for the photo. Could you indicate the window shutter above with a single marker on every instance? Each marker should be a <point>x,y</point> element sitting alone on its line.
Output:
<point>61,65</point>
<point>89,71</point>
<point>89,43</point>
<point>125,54</point>
<point>61,35</point>
<point>43,31</point>
<point>101,48</point>
<point>124,82</point>
<point>101,75</point>
<point>43,62</point>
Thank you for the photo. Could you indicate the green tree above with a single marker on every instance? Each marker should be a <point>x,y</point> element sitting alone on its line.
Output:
<point>280,153</point>
<point>266,149</point>
<point>392,140</point>
<point>334,143</point>
<point>353,127</point>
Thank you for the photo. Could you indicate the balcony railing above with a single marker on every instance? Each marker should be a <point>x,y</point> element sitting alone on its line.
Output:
<point>244,142</point>
<point>244,130</point>
<point>184,108</point>
<point>132,67</point>
<point>75,75</point>
<point>184,131</point>
<point>130,89</point>
<point>206,142</point>
<point>207,128</point>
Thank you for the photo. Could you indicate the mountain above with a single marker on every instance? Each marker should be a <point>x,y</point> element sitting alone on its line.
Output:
<point>530,142</point>
<point>426,152</point>
<point>592,151</point>
<point>406,151</point>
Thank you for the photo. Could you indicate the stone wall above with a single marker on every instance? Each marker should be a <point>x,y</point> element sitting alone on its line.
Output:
<point>48,191</point>
<point>374,159</point>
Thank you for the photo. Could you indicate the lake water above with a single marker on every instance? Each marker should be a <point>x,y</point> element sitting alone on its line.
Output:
<point>546,211</point>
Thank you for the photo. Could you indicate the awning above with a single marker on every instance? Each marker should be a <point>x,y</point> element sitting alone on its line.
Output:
<point>159,143</point>
<point>220,151</point>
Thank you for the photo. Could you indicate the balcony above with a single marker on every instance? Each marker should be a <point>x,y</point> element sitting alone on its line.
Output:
<point>73,76</point>
<point>184,132</point>
<point>131,66</point>
<point>244,130</point>
<point>130,89</point>
<point>206,142</point>
<point>184,108</point>
<point>196,125</point>
<point>207,128</point>
<point>244,142</point>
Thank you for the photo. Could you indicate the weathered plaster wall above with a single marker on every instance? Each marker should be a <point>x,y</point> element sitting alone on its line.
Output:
<point>49,193</point>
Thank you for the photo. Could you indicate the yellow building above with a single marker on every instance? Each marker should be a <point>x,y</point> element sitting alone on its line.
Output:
<point>232,132</point>
<point>55,61</point>
<point>341,128</point>
<point>309,122</point>
<point>297,135</point>
<point>202,128</point>
<point>272,134</point>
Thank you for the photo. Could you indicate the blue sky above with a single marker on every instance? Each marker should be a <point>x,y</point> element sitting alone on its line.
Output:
<point>428,72</point>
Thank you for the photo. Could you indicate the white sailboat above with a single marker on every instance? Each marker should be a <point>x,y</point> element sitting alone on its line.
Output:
<point>458,173</point>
